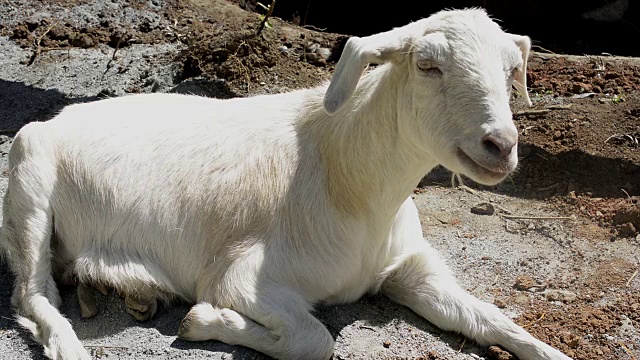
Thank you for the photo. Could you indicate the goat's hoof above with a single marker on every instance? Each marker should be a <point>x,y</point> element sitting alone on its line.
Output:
<point>87,301</point>
<point>142,309</point>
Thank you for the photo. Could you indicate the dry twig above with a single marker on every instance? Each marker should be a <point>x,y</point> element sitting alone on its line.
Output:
<point>558,107</point>
<point>526,217</point>
<point>107,347</point>
<point>543,49</point>
<point>626,349</point>
<point>631,278</point>
<point>367,327</point>
<point>113,56</point>
<point>464,341</point>
<point>468,189</point>
<point>36,44</point>
<point>536,321</point>
<point>531,112</point>
<point>315,28</point>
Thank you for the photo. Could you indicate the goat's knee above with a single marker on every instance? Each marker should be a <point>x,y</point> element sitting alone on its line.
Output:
<point>302,337</point>
<point>312,343</point>
<point>204,322</point>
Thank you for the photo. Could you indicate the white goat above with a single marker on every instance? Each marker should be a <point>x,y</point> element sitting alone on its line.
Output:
<point>253,209</point>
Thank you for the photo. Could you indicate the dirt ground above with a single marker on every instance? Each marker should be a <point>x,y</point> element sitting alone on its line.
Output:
<point>572,283</point>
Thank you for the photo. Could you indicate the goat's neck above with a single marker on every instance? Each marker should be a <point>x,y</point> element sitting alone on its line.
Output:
<point>372,167</point>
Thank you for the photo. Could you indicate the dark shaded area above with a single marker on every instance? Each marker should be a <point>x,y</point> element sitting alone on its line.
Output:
<point>542,175</point>
<point>559,26</point>
<point>21,104</point>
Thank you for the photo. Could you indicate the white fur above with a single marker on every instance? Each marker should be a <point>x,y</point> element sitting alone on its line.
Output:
<point>258,208</point>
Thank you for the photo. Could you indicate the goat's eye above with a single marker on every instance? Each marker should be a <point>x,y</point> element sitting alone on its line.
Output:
<point>429,67</point>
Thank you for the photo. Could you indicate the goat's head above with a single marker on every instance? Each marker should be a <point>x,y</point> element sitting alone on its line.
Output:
<point>457,69</point>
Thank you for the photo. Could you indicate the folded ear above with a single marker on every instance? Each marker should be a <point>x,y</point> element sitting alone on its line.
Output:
<point>357,54</point>
<point>520,78</point>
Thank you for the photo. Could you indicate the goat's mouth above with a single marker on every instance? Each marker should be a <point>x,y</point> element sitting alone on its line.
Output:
<point>483,173</point>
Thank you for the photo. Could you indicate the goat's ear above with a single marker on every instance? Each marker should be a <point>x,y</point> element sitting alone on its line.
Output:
<point>520,78</point>
<point>357,54</point>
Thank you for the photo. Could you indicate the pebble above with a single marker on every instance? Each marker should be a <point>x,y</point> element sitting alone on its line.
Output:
<point>484,208</point>
<point>386,343</point>
<point>560,295</point>
<point>323,53</point>
<point>498,353</point>
<point>83,40</point>
<point>525,283</point>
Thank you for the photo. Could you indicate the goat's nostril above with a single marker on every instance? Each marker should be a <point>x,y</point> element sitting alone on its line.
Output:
<point>493,148</point>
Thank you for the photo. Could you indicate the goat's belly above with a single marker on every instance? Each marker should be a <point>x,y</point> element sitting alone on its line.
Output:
<point>128,258</point>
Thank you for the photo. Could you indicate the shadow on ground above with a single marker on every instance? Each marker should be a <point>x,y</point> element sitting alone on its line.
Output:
<point>542,175</point>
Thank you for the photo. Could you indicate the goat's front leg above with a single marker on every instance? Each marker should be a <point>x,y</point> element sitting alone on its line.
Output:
<point>278,324</point>
<point>420,279</point>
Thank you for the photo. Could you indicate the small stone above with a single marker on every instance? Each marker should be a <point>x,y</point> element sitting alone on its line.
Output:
<point>58,33</point>
<point>323,53</point>
<point>524,262</point>
<point>557,135</point>
<point>560,295</point>
<point>497,353</point>
<point>315,59</point>
<point>626,328</point>
<point>572,340</point>
<point>283,49</point>
<point>521,299</point>
<point>311,57</point>
<point>579,88</point>
<point>500,303</point>
<point>484,208</point>
<point>627,230</point>
<point>20,32</point>
<point>82,40</point>
<point>525,283</point>
<point>386,343</point>
<point>485,258</point>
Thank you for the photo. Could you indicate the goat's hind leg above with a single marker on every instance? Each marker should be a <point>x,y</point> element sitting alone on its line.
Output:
<point>142,306</point>
<point>36,296</point>
<point>26,239</point>
<point>420,279</point>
